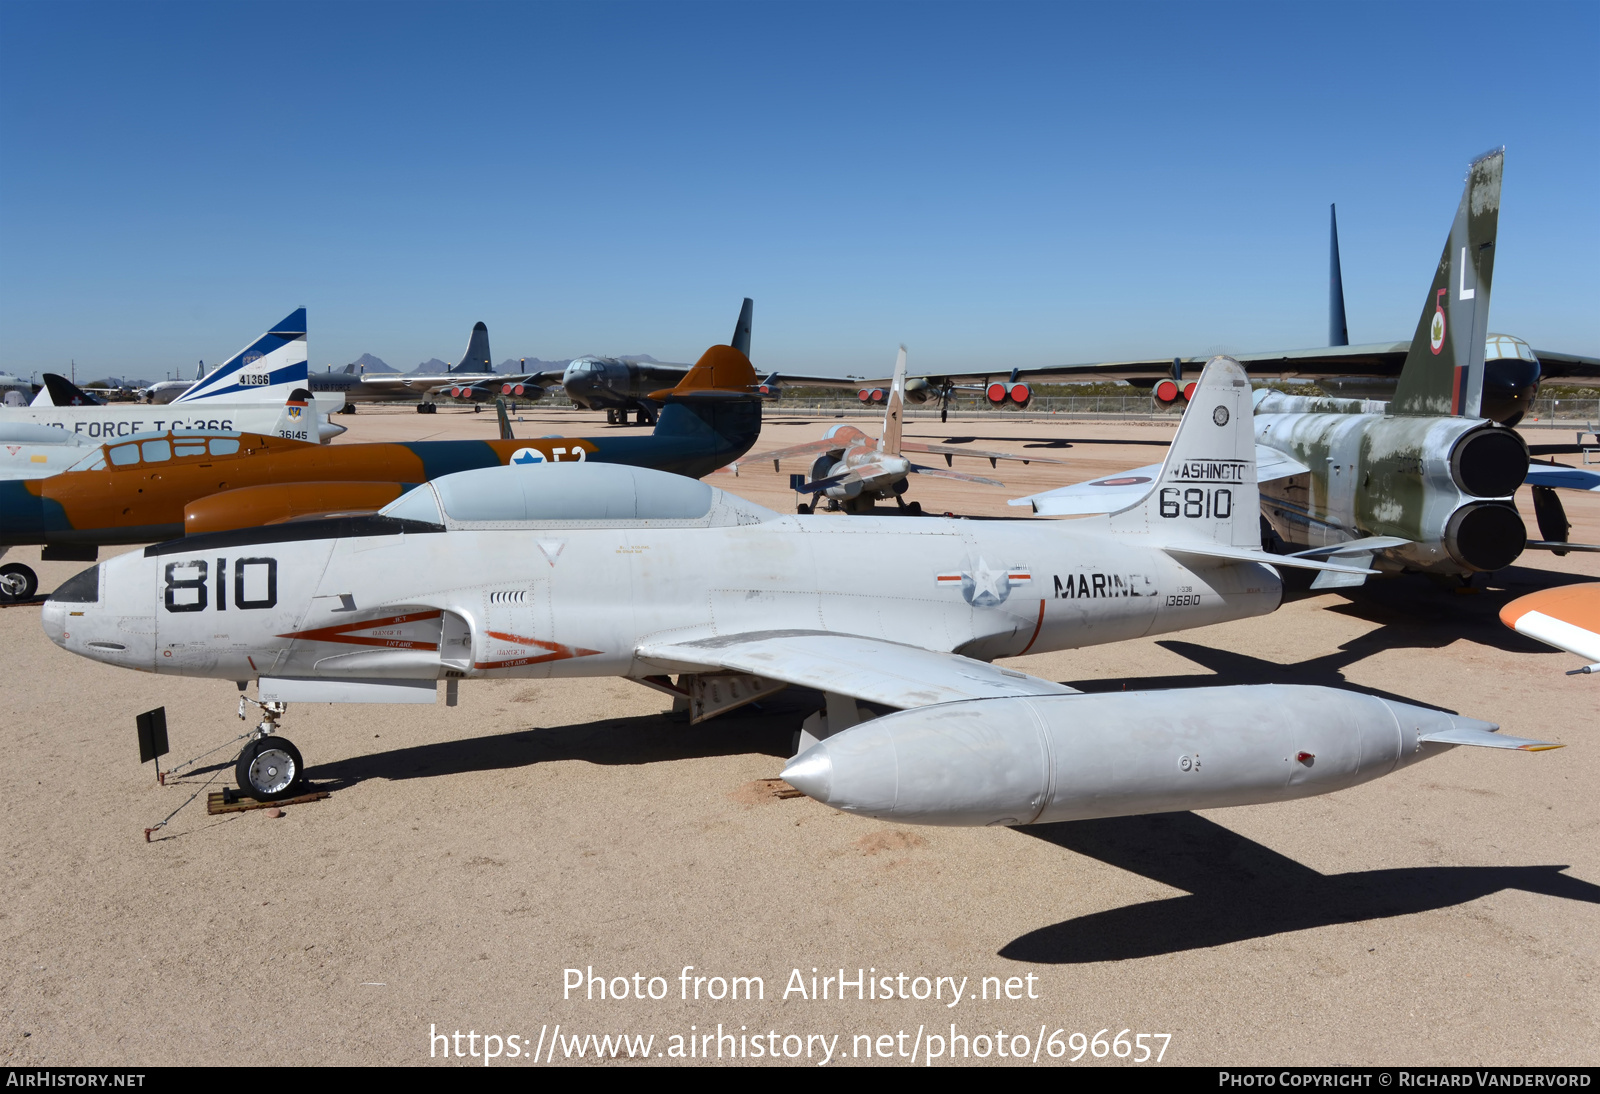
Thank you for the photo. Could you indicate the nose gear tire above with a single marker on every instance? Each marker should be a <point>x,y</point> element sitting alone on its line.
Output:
<point>17,582</point>
<point>269,768</point>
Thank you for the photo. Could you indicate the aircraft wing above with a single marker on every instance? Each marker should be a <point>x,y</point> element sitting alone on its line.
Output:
<point>1370,359</point>
<point>869,669</point>
<point>948,450</point>
<point>1566,478</point>
<point>810,448</point>
<point>404,381</point>
<point>1567,617</point>
<point>941,473</point>
<point>1113,492</point>
<point>1566,366</point>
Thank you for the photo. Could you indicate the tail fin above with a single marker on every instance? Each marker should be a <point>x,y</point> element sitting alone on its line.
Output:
<point>894,411</point>
<point>721,370</point>
<point>1338,332</point>
<point>1206,490</point>
<point>476,359</point>
<point>1443,373</point>
<point>265,371</point>
<point>60,391</point>
<point>741,329</point>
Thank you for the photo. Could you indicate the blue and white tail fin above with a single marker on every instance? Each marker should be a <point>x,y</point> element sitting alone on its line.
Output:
<point>476,359</point>
<point>266,371</point>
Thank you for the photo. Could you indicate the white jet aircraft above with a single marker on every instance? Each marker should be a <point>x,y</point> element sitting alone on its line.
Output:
<point>852,470</point>
<point>602,570</point>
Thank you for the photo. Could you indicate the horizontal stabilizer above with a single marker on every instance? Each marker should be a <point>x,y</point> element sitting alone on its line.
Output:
<point>1564,478</point>
<point>1559,546</point>
<point>869,669</point>
<point>941,473</point>
<point>1113,492</point>
<point>1486,738</point>
<point>1245,554</point>
<point>1354,547</point>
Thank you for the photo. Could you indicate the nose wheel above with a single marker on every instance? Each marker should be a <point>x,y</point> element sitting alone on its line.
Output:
<point>270,766</point>
<point>17,582</point>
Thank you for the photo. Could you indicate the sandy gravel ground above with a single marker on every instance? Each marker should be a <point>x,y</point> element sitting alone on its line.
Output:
<point>468,856</point>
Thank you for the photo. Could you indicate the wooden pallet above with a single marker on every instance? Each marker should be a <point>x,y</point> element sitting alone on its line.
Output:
<point>778,788</point>
<point>216,803</point>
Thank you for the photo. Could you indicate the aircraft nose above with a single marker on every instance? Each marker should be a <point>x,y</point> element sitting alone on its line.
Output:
<point>76,602</point>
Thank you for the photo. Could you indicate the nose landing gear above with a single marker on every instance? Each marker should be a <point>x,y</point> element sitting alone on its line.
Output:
<point>270,767</point>
<point>17,582</point>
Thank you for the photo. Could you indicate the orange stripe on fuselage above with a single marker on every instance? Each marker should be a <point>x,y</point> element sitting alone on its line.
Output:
<point>558,652</point>
<point>341,633</point>
<point>1037,627</point>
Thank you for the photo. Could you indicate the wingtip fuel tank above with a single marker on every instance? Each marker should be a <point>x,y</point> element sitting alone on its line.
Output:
<point>1041,759</point>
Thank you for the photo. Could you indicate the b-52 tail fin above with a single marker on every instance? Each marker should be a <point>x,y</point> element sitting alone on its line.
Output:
<point>1443,373</point>
<point>741,329</point>
<point>476,359</point>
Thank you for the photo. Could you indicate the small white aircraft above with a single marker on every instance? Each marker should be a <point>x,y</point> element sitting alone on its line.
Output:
<point>587,569</point>
<point>14,390</point>
<point>852,470</point>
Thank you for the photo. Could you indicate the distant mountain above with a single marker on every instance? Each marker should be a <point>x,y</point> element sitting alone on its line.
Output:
<point>370,363</point>
<point>432,367</point>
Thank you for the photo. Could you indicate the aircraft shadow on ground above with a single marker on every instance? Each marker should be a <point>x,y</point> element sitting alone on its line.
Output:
<point>1412,614</point>
<point>1239,668</point>
<point>1415,605</point>
<point>1239,890</point>
<point>767,728</point>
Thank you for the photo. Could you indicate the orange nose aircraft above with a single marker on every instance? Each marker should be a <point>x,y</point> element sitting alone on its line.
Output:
<point>163,485</point>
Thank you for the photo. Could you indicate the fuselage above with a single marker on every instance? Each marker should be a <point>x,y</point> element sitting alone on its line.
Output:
<point>139,490</point>
<point>389,599</point>
<point>1442,482</point>
<point>610,383</point>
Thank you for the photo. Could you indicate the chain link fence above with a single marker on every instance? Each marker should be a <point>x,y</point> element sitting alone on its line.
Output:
<point>1545,412</point>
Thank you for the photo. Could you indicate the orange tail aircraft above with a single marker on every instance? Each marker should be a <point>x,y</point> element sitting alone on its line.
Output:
<point>159,486</point>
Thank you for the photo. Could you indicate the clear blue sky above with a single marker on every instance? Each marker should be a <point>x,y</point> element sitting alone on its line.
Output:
<point>988,183</point>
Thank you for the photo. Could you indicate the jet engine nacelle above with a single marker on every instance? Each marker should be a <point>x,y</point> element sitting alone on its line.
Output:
<point>1439,482</point>
<point>919,391</point>
<point>999,393</point>
<point>1048,759</point>
<point>1169,391</point>
<point>872,395</point>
